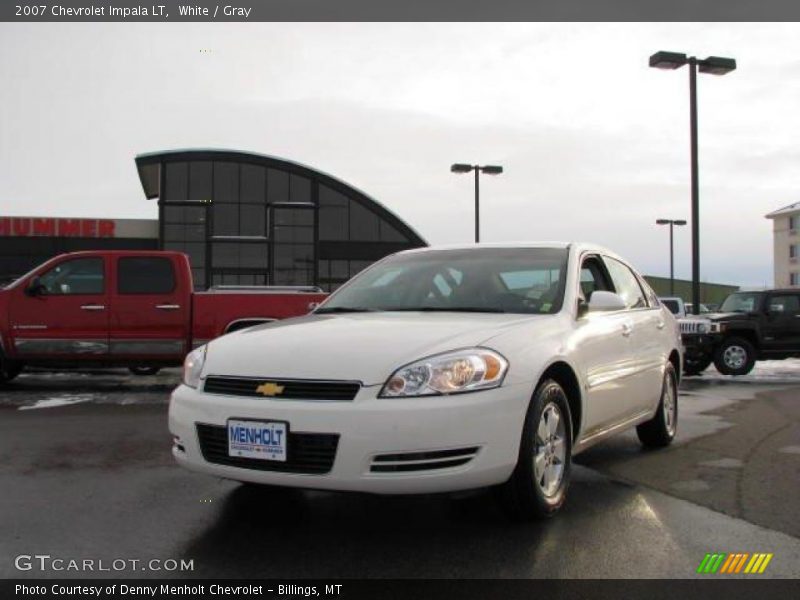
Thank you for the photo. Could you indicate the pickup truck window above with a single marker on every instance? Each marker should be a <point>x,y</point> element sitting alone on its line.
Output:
<point>145,275</point>
<point>74,277</point>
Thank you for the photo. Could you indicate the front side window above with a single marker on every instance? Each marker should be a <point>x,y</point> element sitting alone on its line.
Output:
<point>74,277</point>
<point>524,280</point>
<point>785,304</point>
<point>626,284</point>
<point>145,275</point>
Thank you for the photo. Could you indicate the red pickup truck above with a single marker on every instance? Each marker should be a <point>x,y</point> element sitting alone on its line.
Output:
<point>124,308</point>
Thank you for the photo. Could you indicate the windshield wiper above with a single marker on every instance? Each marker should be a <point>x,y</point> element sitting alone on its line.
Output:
<point>345,309</point>
<point>475,309</point>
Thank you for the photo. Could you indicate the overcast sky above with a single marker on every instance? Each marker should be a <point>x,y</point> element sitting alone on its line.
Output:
<point>594,143</point>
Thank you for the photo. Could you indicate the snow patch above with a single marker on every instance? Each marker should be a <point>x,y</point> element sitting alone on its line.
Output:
<point>58,401</point>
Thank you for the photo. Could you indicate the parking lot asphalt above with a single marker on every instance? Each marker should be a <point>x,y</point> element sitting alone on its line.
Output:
<point>87,474</point>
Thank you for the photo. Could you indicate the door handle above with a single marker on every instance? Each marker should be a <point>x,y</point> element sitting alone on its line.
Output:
<point>627,328</point>
<point>93,307</point>
<point>168,306</point>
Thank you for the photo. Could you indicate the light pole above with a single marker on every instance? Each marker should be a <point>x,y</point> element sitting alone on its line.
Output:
<point>489,170</point>
<point>714,65</point>
<point>671,223</point>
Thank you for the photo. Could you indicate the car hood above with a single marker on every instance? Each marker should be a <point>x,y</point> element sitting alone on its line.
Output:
<point>365,347</point>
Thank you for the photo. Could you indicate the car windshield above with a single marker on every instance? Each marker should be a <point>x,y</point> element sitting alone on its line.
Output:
<point>501,280</point>
<point>740,302</point>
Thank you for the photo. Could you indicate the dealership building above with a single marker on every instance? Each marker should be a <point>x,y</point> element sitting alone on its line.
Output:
<point>243,219</point>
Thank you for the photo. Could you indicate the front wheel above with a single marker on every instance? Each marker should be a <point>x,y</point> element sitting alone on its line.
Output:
<point>9,369</point>
<point>660,430</point>
<point>538,486</point>
<point>735,356</point>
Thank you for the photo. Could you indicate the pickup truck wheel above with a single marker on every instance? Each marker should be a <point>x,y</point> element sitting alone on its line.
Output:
<point>538,486</point>
<point>142,371</point>
<point>660,430</point>
<point>735,356</point>
<point>9,369</point>
<point>696,366</point>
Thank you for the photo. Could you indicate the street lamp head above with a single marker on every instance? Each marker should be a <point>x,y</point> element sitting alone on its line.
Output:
<point>668,60</point>
<point>662,221</point>
<point>461,168</point>
<point>716,65</point>
<point>679,222</point>
<point>492,169</point>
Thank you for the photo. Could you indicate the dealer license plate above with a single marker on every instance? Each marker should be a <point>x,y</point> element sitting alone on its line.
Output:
<point>264,440</point>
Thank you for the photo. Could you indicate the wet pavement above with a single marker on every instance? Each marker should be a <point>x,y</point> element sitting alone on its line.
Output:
<point>87,473</point>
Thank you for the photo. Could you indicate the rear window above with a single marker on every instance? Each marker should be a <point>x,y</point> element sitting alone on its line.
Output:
<point>145,275</point>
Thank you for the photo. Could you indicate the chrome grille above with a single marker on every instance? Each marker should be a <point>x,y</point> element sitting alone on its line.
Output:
<point>290,389</point>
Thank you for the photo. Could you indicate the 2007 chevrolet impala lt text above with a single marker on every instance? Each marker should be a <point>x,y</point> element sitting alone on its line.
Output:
<point>440,370</point>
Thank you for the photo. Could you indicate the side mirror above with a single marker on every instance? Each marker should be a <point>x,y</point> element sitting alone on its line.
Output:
<point>35,287</point>
<point>606,302</point>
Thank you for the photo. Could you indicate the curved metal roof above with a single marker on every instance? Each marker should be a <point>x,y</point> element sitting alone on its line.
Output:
<point>150,184</point>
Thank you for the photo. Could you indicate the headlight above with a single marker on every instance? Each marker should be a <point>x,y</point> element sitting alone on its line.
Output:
<point>453,372</point>
<point>703,327</point>
<point>193,366</point>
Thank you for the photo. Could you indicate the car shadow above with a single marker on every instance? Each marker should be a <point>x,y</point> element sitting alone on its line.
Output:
<point>270,533</point>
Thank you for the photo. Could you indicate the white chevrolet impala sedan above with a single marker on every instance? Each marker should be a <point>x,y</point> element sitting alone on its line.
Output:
<point>437,370</point>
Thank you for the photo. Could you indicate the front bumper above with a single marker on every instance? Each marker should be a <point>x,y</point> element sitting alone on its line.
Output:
<point>698,346</point>
<point>488,422</point>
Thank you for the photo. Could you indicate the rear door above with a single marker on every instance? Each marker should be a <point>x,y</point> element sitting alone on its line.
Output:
<point>68,320</point>
<point>150,309</point>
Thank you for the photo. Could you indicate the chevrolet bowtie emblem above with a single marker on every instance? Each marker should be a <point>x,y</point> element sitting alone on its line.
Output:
<point>269,389</point>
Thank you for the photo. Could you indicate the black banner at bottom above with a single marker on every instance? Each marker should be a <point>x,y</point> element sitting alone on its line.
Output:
<point>389,589</point>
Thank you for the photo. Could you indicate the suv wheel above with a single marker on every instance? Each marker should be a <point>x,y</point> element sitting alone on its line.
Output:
<point>696,366</point>
<point>538,486</point>
<point>735,356</point>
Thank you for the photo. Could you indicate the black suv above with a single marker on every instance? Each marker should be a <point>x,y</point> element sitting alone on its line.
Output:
<point>749,326</point>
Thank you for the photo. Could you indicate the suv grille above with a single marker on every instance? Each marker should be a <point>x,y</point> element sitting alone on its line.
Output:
<point>282,389</point>
<point>693,326</point>
<point>307,453</point>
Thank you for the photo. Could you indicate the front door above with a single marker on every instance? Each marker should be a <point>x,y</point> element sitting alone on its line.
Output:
<point>149,316</point>
<point>782,322</point>
<point>68,317</point>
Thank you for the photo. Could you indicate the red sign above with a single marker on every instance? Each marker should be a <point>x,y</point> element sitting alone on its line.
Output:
<point>48,227</point>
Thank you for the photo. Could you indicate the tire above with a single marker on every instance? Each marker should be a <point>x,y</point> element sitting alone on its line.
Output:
<point>528,494</point>
<point>659,431</point>
<point>697,366</point>
<point>142,371</point>
<point>9,369</point>
<point>735,356</point>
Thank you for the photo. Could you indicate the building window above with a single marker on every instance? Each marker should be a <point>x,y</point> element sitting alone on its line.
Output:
<point>792,223</point>
<point>793,279</point>
<point>792,250</point>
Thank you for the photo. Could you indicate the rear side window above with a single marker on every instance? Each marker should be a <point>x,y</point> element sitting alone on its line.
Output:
<point>626,283</point>
<point>145,275</point>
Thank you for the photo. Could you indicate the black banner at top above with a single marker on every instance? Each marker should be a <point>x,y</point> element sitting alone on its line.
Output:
<point>396,10</point>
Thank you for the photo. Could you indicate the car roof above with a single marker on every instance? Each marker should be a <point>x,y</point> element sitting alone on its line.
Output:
<point>579,246</point>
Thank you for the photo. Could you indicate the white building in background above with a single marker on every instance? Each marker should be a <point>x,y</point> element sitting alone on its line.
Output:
<point>786,245</point>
